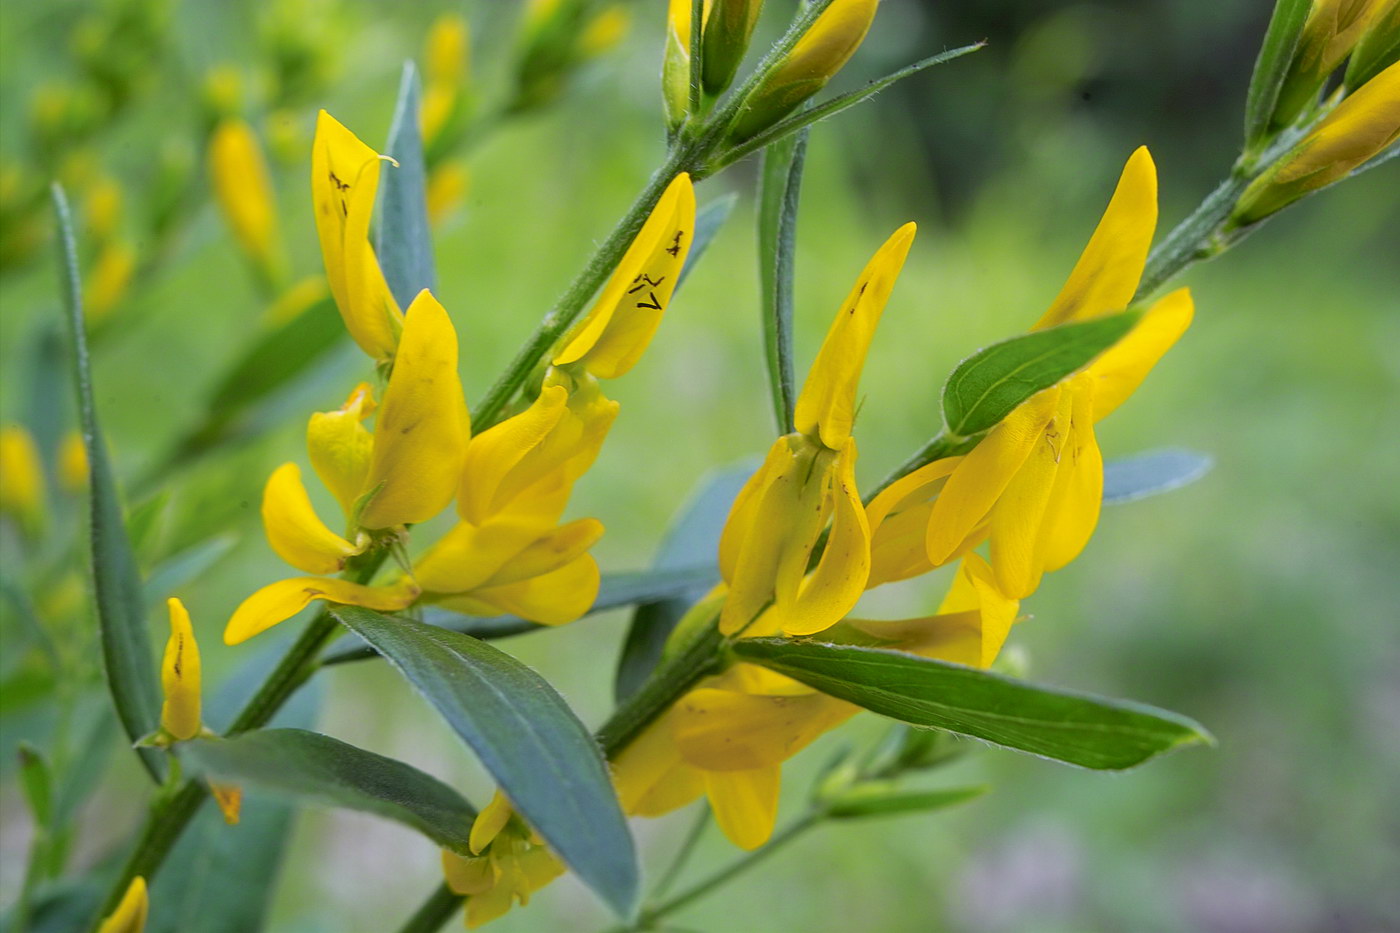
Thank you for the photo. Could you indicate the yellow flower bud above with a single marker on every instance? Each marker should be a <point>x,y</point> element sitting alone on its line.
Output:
<point>179,677</point>
<point>104,207</point>
<point>605,31</point>
<point>447,51</point>
<point>728,28</point>
<point>1332,29</point>
<point>817,56</point>
<point>109,280</point>
<point>130,915</point>
<point>21,479</point>
<point>72,463</point>
<point>1360,127</point>
<point>675,68</point>
<point>1377,49</point>
<point>244,192</point>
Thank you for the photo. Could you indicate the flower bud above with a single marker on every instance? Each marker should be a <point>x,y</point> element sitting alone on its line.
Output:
<point>728,28</point>
<point>130,915</point>
<point>675,67</point>
<point>110,279</point>
<point>817,56</point>
<point>1377,50</point>
<point>21,479</point>
<point>1332,29</point>
<point>243,189</point>
<point>605,31</point>
<point>1360,127</point>
<point>180,677</point>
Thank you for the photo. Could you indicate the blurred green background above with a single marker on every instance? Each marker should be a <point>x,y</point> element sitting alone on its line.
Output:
<point>1261,601</point>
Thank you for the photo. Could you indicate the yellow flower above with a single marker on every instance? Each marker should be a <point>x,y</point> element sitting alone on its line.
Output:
<point>807,479</point>
<point>615,333</point>
<point>508,554</point>
<point>812,62</point>
<point>344,181</point>
<point>229,799</point>
<point>1332,30</point>
<point>243,190</point>
<point>72,463</point>
<point>104,207</point>
<point>508,865</point>
<point>180,677</point>
<point>130,915</point>
<point>406,472</point>
<point>109,280</point>
<point>1361,126</point>
<point>447,64</point>
<point>21,479</point>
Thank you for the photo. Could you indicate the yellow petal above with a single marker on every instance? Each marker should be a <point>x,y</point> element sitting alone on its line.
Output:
<point>180,677</point>
<point>130,915</point>
<point>340,448</point>
<point>617,330</point>
<point>899,518</point>
<point>745,803</point>
<point>495,453</point>
<point>721,730</point>
<point>109,279</point>
<point>744,511</point>
<point>1122,367</point>
<point>344,180</point>
<point>1017,517</point>
<point>827,404</point>
<point>465,875</point>
<point>229,799</point>
<point>489,905</point>
<point>649,774</point>
<point>243,189</point>
<point>952,636</point>
<point>554,598</point>
<point>295,532</point>
<point>420,433</point>
<point>447,49</point>
<point>21,477</point>
<point>549,552</point>
<point>1108,271</point>
<point>489,822</point>
<point>977,482</point>
<point>834,586</point>
<point>1073,510</point>
<point>975,589</point>
<point>279,601</point>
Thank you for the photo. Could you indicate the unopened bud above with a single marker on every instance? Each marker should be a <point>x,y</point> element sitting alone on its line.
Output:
<point>243,189</point>
<point>675,66</point>
<point>1377,50</point>
<point>1332,29</point>
<point>21,479</point>
<point>728,28</point>
<point>805,70</point>
<point>1360,127</point>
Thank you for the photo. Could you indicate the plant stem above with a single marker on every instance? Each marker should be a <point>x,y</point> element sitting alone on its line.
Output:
<point>667,683</point>
<point>697,830</point>
<point>1195,238</point>
<point>436,910</point>
<point>737,867</point>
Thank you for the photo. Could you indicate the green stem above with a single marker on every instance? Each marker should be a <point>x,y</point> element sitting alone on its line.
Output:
<point>557,322</point>
<point>439,907</point>
<point>670,680</point>
<point>737,867</point>
<point>1196,238</point>
<point>683,854</point>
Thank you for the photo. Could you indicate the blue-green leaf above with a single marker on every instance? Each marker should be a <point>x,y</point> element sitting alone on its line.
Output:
<point>1076,728</point>
<point>121,607</point>
<point>542,757</point>
<point>708,221</point>
<point>987,386</point>
<point>404,241</point>
<point>314,768</point>
<point>779,193</point>
<point>1154,472</point>
<point>691,541</point>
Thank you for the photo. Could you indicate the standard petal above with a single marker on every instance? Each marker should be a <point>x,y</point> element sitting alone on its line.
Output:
<point>1122,367</point>
<point>295,532</point>
<point>827,404</point>
<point>621,324</point>
<point>721,730</point>
<point>494,453</point>
<point>421,430</point>
<point>1109,269</point>
<point>279,601</point>
<point>976,483</point>
<point>180,677</point>
<point>549,552</point>
<point>489,822</point>
<point>1019,513</point>
<point>975,589</point>
<point>745,803</point>
<point>1073,510</point>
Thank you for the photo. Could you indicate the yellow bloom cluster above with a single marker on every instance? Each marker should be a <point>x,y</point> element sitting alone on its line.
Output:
<point>1031,488</point>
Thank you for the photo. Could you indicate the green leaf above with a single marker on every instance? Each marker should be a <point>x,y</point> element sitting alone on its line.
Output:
<point>1271,67</point>
<point>615,590</point>
<point>403,241</point>
<point>314,768</point>
<point>987,386</point>
<point>179,569</point>
<point>1157,471</point>
<point>708,221</point>
<point>1076,728</point>
<point>36,778</point>
<point>121,606</point>
<point>143,522</point>
<point>805,118</point>
<point>692,540</point>
<point>527,737</point>
<point>779,193</point>
<point>875,800</point>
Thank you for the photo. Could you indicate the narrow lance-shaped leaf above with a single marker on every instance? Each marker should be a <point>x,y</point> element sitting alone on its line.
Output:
<point>542,757</point>
<point>1271,68</point>
<point>314,768</point>
<point>779,195</point>
<point>126,643</point>
<point>404,242</point>
<point>1076,728</point>
<point>867,801</point>
<point>692,540</point>
<point>615,590</point>
<point>1148,474</point>
<point>987,386</point>
<point>805,118</point>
